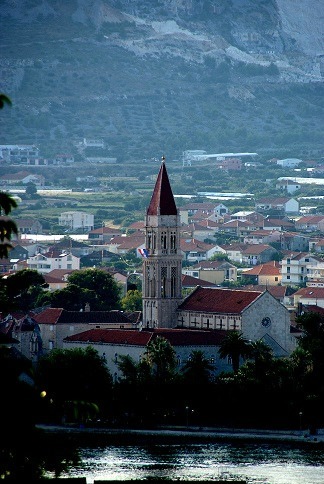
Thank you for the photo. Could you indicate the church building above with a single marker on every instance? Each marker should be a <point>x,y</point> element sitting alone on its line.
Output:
<point>258,315</point>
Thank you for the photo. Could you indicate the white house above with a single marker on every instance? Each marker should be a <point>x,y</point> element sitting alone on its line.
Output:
<point>289,162</point>
<point>290,186</point>
<point>74,220</point>
<point>22,177</point>
<point>297,268</point>
<point>45,263</point>
<point>285,204</point>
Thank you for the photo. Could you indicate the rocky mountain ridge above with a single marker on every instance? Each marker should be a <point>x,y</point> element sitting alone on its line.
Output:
<point>164,74</point>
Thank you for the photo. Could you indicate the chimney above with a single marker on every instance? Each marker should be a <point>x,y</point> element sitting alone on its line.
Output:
<point>87,308</point>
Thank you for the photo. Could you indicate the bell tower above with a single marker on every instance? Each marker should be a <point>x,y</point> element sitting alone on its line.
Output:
<point>162,277</point>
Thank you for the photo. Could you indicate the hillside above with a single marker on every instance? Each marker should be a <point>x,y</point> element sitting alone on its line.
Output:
<point>163,76</point>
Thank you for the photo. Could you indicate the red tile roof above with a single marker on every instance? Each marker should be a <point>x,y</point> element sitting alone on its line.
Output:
<point>274,201</point>
<point>279,292</point>
<point>162,201</point>
<point>194,244</point>
<point>62,316</point>
<point>200,206</point>
<point>310,219</point>
<point>176,337</point>
<point>191,337</point>
<point>312,308</point>
<point>49,316</point>
<point>190,281</point>
<point>274,222</point>
<point>214,300</point>
<point>60,273</point>
<point>113,336</point>
<point>271,268</point>
<point>311,292</point>
<point>140,224</point>
<point>257,249</point>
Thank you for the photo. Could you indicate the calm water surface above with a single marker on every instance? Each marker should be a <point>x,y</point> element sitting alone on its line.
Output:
<point>257,463</point>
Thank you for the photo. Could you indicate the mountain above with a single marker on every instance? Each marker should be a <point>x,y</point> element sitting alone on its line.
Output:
<point>163,76</point>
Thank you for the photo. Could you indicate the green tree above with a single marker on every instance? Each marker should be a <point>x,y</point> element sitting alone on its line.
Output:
<point>234,346</point>
<point>197,370</point>
<point>75,375</point>
<point>133,373</point>
<point>312,341</point>
<point>31,189</point>
<point>71,297</point>
<point>7,226</point>
<point>22,280</point>
<point>132,301</point>
<point>21,290</point>
<point>261,353</point>
<point>161,357</point>
<point>106,289</point>
<point>220,256</point>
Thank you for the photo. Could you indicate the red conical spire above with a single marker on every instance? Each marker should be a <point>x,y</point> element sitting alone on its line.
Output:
<point>162,201</point>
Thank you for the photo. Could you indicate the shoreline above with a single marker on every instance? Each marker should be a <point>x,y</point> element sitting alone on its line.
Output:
<point>189,433</point>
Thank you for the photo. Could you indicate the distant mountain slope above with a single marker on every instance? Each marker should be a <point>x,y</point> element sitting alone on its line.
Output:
<point>156,76</point>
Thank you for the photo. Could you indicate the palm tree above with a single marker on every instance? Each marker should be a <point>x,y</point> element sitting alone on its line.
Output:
<point>261,353</point>
<point>162,358</point>
<point>197,369</point>
<point>234,346</point>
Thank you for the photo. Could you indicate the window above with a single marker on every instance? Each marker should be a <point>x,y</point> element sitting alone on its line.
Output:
<point>71,328</point>
<point>51,345</point>
<point>276,278</point>
<point>51,327</point>
<point>116,357</point>
<point>163,281</point>
<point>288,270</point>
<point>288,277</point>
<point>212,359</point>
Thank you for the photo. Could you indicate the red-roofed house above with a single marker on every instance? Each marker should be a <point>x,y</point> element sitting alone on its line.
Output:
<point>194,250</point>
<point>103,235</point>
<point>310,223</point>
<point>262,237</point>
<point>258,254</point>
<point>308,296</point>
<point>215,271</point>
<point>264,274</point>
<point>277,224</point>
<point>278,292</point>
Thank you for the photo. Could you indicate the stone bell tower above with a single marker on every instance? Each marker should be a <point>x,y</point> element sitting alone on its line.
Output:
<point>162,279</point>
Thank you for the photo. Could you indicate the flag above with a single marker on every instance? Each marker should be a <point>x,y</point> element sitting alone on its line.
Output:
<point>143,252</point>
